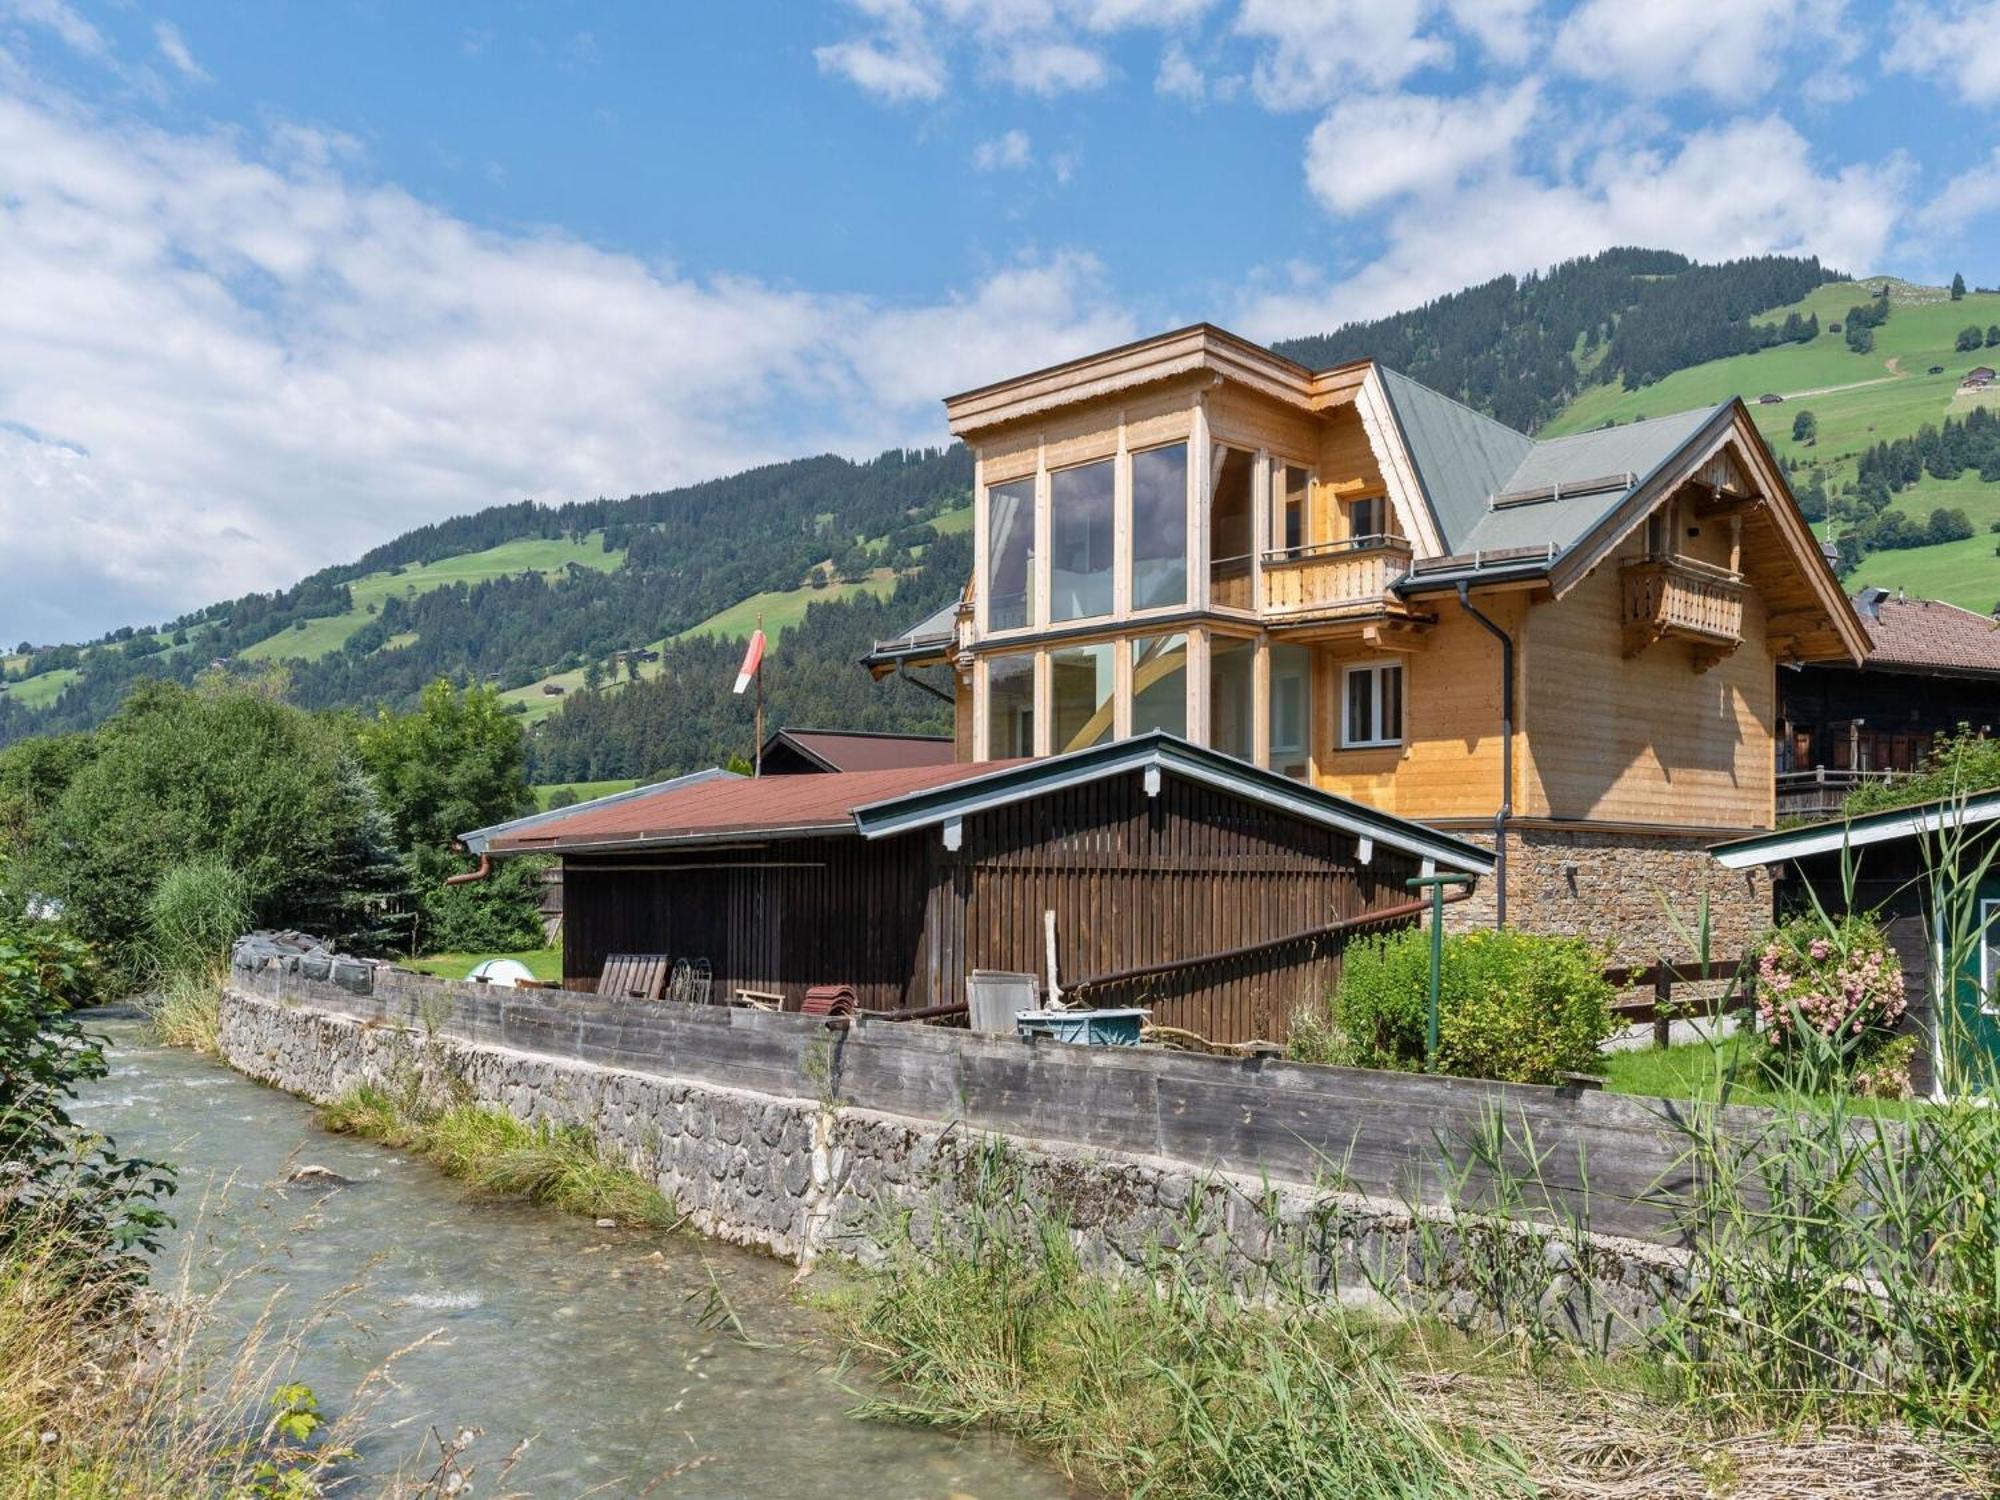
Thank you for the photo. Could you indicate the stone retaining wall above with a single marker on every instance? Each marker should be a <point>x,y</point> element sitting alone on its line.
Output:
<point>804,1171</point>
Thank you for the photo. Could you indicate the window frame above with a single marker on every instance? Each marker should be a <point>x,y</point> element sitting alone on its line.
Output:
<point>1375,670</point>
<point>1121,503</point>
<point>1037,603</point>
<point>1126,520</point>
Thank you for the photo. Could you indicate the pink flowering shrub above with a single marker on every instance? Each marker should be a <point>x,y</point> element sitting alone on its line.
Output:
<point>1842,980</point>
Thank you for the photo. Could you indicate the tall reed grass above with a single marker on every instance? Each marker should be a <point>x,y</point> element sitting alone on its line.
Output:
<point>496,1155</point>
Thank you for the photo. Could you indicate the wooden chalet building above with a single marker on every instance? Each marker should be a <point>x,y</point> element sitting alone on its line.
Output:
<point>1931,669</point>
<point>1215,893</point>
<point>1351,581</point>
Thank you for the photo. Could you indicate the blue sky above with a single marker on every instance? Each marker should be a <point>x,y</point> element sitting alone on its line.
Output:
<point>284,280</point>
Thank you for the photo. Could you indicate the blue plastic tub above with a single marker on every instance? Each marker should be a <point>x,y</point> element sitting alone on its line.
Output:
<point>1083,1028</point>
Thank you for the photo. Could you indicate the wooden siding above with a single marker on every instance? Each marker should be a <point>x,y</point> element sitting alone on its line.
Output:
<point>1448,765</point>
<point>1347,466</point>
<point>1133,881</point>
<point>1646,739</point>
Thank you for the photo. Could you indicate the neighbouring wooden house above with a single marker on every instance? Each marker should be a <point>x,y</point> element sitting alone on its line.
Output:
<point>1567,646</point>
<point>790,752</point>
<point>1215,893</point>
<point>1931,668</point>
<point>1931,873</point>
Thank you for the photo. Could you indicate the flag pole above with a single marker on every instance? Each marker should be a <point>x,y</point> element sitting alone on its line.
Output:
<point>757,761</point>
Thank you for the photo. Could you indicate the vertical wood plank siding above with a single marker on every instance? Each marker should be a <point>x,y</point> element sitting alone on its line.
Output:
<point>1133,881</point>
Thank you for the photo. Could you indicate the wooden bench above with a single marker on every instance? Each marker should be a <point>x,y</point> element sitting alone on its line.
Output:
<point>634,976</point>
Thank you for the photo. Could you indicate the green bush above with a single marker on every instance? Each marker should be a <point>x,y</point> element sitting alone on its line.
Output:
<point>197,910</point>
<point>1518,1006</point>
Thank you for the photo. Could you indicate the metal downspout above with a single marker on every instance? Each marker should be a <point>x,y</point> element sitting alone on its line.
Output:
<point>1506,812</point>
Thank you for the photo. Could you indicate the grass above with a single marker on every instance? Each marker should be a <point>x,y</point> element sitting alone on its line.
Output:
<point>785,608</point>
<point>186,1012</point>
<point>41,690</point>
<point>496,1155</point>
<point>544,963</point>
<point>1966,573</point>
<point>584,790</point>
<point>548,556</point>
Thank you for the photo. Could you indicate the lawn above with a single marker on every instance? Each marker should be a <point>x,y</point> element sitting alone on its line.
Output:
<point>585,790</point>
<point>1967,573</point>
<point>40,690</point>
<point>785,608</point>
<point>543,963</point>
<point>1694,1070</point>
<point>548,556</point>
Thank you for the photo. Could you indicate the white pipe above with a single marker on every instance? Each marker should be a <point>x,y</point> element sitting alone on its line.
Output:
<point>1055,1001</point>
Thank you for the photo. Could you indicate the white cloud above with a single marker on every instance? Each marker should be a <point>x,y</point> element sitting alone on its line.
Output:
<point>1369,150</point>
<point>225,365</point>
<point>1316,50</point>
<point>1009,151</point>
<point>1048,66</point>
<point>1970,196</point>
<point>174,48</point>
<point>1661,47</point>
<point>1957,43</point>
<point>903,71</point>
<point>1504,28</point>
<point>1179,77</point>
<point>1689,199</point>
<point>58,18</point>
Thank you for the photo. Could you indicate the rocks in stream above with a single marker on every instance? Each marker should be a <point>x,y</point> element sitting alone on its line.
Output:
<point>312,1175</point>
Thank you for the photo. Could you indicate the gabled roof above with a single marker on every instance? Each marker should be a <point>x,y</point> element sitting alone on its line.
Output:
<point>1946,813</point>
<point>720,806</point>
<point>1928,636</point>
<point>1158,751</point>
<point>861,750</point>
<point>477,840</point>
<point>927,641</point>
<point>1462,457</point>
<point>878,804</point>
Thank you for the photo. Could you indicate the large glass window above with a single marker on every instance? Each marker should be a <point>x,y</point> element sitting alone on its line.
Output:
<point>1291,710</point>
<point>1159,527</point>
<point>1159,684</point>
<point>1294,523</point>
<point>1010,555</point>
<point>1232,696</point>
<point>1231,492</point>
<point>1372,707</point>
<point>1010,706</point>
<point>1082,689</point>
<point>1081,504</point>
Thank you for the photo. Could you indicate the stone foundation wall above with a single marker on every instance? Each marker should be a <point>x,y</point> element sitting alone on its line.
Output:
<point>1640,893</point>
<point>801,1176</point>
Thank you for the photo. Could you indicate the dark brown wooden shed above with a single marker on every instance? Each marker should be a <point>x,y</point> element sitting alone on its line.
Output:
<point>1217,894</point>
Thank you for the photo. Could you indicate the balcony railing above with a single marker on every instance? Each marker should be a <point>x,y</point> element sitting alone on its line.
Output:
<point>1678,596</point>
<point>1353,575</point>
<point>1821,792</point>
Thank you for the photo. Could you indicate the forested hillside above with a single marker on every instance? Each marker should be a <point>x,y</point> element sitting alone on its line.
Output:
<point>1520,348</point>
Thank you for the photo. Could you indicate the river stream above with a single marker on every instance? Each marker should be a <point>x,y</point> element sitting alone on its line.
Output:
<point>607,1347</point>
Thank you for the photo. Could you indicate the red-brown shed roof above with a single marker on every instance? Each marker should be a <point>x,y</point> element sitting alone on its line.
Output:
<point>1928,634</point>
<point>762,807</point>
<point>860,750</point>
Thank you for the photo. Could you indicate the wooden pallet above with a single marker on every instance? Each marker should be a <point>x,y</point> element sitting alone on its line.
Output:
<point>634,976</point>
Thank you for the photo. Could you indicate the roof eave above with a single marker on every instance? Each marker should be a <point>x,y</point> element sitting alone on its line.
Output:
<point>478,840</point>
<point>1835,834</point>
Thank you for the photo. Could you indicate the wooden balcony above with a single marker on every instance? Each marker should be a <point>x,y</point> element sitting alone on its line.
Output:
<point>1335,578</point>
<point>1680,598</point>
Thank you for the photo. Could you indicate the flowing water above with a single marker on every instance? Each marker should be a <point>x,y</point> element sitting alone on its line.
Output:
<point>605,1347</point>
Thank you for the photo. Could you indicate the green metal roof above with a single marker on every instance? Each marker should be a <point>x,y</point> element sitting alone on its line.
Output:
<point>1946,813</point>
<point>1461,456</point>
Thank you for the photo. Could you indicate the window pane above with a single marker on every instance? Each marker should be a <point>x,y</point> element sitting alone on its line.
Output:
<point>1360,726</point>
<point>1010,555</point>
<point>1231,481</point>
<point>1010,706</point>
<point>1231,696</point>
<point>1292,532</point>
<point>1081,688</point>
<point>1392,703</point>
<point>1159,527</point>
<point>1159,684</point>
<point>1365,517</point>
<point>1291,710</point>
<point>1080,506</point>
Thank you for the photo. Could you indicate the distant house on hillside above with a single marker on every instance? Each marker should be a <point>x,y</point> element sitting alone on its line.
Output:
<point>552,690</point>
<point>1770,398</point>
<point>1978,377</point>
<point>1358,583</point>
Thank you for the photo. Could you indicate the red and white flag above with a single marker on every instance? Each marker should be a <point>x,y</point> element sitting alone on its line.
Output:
<point>752,660</point>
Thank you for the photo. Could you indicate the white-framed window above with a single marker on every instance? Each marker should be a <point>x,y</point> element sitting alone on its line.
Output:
<point>1371,705</point>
